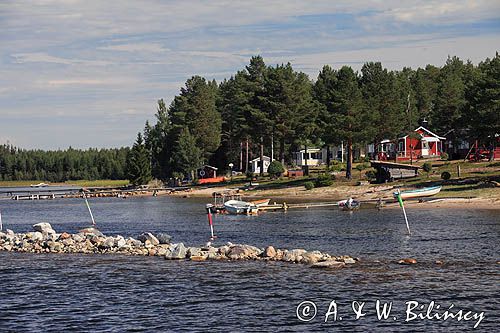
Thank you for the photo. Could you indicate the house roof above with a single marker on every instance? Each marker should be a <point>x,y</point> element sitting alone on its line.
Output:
<point>428,131</point>
<point>258,159</point>
<point>208,166</point>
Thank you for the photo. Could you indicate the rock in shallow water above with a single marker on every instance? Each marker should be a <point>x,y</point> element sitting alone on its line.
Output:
<point>407,261</point>
<point>331,264</point>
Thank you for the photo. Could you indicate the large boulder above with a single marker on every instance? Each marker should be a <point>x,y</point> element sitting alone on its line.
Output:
<point>44,228</point>
<point>294,255</point>
<point>311,257</point>
<point>120,242</point>
<point>193,251</point>
<point>243,252</point>
<point>177,251</point>
<point>163,238</point>
<point>269,252</point>
<point>37,236</point>
<point>147,236</point>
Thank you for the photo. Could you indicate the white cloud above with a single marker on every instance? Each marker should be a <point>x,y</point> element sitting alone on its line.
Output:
<point>136,47</point>
<point>81,60</point>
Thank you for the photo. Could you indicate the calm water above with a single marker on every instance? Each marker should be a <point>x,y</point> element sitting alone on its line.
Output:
<point>121,293</point>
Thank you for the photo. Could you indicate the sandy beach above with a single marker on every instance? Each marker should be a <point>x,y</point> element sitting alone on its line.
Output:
<point>490,199</point>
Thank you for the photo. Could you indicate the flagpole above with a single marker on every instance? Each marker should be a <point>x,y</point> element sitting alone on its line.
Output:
<point>404,211</point>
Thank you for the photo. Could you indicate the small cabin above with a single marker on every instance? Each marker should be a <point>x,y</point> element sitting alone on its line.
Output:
<point>255,164</point>
<point>207,171</point>
<point>425,144</point>
<point>314,156</point>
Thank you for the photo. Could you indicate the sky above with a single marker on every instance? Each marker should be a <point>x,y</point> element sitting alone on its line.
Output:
<point>89,73</point>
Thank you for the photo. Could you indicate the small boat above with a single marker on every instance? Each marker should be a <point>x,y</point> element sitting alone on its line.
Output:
<point>418,193</point>
<point>39,185</point>
<point>240,207</point>
<point>349,204</point>
<point>260,203</point>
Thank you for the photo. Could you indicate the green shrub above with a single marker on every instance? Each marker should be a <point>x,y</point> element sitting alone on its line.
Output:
<point>337,166</point>
<point>324,180</point>
<point>427,167</point>
<point>275,169</point>
<point>309,185</point>
<point>445,175</point>
<point>444,156</point>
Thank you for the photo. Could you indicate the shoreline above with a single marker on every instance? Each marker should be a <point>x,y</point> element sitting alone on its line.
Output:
<point>362,193</point>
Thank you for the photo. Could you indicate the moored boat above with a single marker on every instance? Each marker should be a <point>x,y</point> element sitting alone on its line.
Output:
<point>261,202</point>
<point>39,185</point>
<point>419,192</point>
<point>349,204</point>
<point>240,207</point>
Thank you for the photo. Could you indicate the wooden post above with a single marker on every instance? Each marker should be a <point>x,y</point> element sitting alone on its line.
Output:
<point>458,171</point>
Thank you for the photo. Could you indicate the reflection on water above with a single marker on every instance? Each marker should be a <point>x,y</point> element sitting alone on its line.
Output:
<point>118,293</point>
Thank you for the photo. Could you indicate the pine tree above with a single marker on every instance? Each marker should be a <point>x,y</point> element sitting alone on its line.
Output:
<point>484,101</point>
<point>187,156</point>
<point>349,119</point>
<point>138,163</point>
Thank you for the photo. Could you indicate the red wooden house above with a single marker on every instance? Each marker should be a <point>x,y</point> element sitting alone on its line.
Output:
<point>424,144</point>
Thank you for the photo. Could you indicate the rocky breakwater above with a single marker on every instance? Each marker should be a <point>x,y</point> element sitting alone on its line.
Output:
<point>44,239</point>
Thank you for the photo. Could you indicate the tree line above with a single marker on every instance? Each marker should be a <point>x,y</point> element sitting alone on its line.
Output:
<point>62,165</point>
<point>276,107</point>
<point>265,108</point>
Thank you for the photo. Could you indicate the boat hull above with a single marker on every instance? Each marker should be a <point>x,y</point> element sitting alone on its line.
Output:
<point>240,207</point>
<point>419,193</point>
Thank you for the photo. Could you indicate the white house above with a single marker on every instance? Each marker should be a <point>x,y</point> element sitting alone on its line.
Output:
<point>318,156</point>
<point>255,164</point>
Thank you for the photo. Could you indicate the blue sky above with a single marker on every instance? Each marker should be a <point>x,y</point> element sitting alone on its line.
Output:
<point>88,73</point>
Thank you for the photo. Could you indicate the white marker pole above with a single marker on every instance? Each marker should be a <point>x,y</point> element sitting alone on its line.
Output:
<point>404,211</point>
<point>1,226</point>
<point>88,206</point>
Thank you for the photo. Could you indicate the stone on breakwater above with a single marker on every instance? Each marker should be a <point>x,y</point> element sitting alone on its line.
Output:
<point>311,257</point>
<point>147,236</point>
<point>44,227</point>
<point>269,252</point>
<point>163,238</point>
<point>177,251</point>
<point>64,235</point>
<point>89,241</point>
<point>238,252</point>
<point>91,231</point>
<point>294,255</point>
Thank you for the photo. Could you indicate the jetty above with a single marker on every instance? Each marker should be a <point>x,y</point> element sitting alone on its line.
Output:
<point>53,192</point>
<point>390,171</point>
<point>44,239</point>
